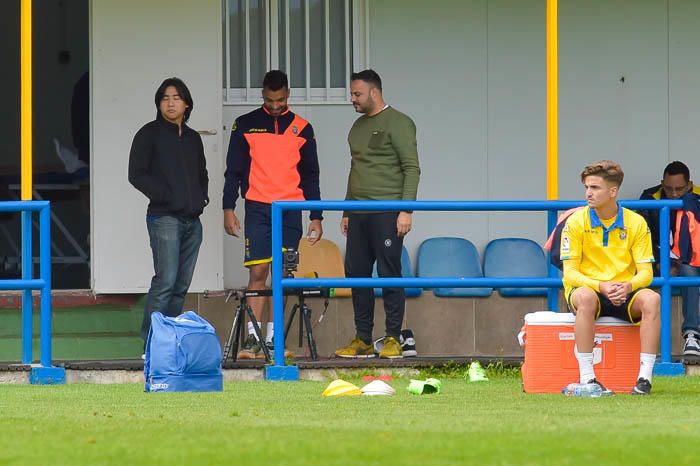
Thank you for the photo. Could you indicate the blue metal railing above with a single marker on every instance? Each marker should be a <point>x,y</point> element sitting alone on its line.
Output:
<point>28,283</point>
<point>664,281</point>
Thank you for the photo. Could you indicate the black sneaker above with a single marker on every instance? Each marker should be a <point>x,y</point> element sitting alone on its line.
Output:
<point>251,348</point>
<point>643,387</point>
<point>605,391</point>
<point>691,347</point>
<point>408,343</point>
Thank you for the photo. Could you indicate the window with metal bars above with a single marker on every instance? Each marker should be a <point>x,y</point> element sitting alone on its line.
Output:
<point>317,43</point>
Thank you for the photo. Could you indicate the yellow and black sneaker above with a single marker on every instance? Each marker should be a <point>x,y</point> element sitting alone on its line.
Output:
<point>391,349</point>
<point>356,349</point>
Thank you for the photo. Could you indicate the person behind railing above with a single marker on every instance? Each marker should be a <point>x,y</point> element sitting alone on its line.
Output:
<point>168,166</point>
<point>675,184</point>
<point>384,166</point>
<point>607,256</point>
<point>271,157</point>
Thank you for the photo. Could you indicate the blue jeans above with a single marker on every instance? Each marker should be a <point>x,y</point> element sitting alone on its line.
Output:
<point>690,295</point>
<point>175,244</point>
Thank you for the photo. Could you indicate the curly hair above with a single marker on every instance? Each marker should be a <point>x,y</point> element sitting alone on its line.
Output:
<point>609,170</point>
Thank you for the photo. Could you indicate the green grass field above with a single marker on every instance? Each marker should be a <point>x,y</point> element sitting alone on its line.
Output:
<point>265,423</point>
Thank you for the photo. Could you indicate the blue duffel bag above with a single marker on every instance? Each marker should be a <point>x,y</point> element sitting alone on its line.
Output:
<point>182,355</point>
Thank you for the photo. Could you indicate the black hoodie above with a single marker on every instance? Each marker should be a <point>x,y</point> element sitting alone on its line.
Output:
<point>170,169</point>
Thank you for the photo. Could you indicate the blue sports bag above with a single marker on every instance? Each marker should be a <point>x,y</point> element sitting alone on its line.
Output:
<point>182,355</point>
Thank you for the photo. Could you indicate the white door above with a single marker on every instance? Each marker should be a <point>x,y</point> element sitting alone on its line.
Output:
<point>136,44</point>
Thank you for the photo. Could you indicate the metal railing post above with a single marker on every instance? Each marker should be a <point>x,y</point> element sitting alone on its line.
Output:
<point>27,274</point>
<point>45,274</point>
<point>664,231</point>
<point>43,373</point>
<point>553,272</point>
<point>278,370</point>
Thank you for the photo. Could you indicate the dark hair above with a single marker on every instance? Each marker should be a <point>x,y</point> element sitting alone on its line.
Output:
<point>275,80</point>
<point>369,76</point>
<point>181,89</point>
<point>677,168</point>
<point>609,170</point>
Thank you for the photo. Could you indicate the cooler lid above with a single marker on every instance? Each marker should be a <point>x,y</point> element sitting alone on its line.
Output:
<point>564,318</point>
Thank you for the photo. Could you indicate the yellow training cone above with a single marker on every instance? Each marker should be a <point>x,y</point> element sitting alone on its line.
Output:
<point>341,388</point>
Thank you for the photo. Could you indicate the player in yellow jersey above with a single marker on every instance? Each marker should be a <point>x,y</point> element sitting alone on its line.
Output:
<point>607,256</point>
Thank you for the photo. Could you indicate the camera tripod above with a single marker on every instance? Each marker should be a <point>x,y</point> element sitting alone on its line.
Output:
<point>304,321</point>
<point>234,337</point>
<point>243,308</point>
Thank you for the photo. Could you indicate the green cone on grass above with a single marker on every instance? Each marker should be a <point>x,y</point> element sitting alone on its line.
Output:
<point>476,373</point>
<point>424,387</point>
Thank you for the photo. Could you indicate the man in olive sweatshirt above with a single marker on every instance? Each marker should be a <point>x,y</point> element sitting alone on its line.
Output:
<point>384,166</point>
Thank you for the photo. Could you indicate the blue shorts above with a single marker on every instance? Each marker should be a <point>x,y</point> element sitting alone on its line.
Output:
<point>258,232</point>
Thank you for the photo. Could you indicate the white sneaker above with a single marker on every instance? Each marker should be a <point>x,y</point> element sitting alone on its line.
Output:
<point>143,356</point>
<point>691,347</point>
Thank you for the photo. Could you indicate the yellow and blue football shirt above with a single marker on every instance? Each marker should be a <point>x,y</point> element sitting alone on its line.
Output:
<point>607,251</point>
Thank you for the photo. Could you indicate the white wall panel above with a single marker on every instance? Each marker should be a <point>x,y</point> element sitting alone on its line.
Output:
<point>516,114</point>
<point>601,115</point>
<point>135,45</point>
<point>432,59</point>
<point>684,86</point>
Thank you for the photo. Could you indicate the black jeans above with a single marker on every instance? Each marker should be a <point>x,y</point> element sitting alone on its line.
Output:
<point>373,237</point>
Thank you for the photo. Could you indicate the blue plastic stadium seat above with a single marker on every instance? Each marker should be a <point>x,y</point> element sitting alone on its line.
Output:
<point>451,258</point>
<point>515,257</point>
<point>406,272</point>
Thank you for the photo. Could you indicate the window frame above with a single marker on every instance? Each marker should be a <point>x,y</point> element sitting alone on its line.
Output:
<point>356,53</point>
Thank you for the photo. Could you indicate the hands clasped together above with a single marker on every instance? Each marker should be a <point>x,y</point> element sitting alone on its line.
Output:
<point>616,292</point>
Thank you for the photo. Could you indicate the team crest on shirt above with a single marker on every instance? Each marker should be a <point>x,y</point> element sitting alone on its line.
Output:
<point>623,234</point>
<point>295,130</point>
<point>565,245</point>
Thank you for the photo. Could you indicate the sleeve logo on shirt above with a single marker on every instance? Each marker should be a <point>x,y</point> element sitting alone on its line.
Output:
<point>565,245</point>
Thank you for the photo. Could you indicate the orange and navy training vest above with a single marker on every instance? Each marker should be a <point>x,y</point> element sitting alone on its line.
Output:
<point>686,234</point>
<point>271,159</point>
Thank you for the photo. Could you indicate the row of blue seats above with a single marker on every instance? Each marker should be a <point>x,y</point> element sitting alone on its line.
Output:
<point>458,257</point>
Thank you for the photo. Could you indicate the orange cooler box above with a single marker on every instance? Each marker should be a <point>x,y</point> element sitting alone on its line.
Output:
<point>550,363</point>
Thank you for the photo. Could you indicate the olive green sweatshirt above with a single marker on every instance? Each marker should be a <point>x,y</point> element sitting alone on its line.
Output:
<point>384,164</point>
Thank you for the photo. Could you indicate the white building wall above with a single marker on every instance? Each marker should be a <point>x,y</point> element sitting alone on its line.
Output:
<point>515,115</point>
<point>602,116</point>
<point>472,76</point>
<point>135,46</point>
<point>684,85</point>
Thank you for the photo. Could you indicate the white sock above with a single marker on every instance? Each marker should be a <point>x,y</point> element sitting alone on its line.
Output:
<point>251,330</point>
<point>585,367</point>
<point>646,365</point>
<point>270,332</point>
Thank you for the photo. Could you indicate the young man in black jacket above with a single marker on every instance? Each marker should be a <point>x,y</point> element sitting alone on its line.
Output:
<point>168,166</point>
